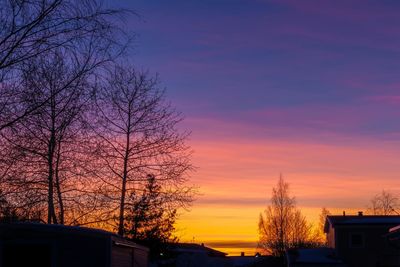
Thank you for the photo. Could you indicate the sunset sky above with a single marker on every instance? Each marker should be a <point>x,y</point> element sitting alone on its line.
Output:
<point>309,89</point>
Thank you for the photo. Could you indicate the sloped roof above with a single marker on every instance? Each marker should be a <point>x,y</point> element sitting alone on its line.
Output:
<point>312,256</point>
<point>195,248</point>
<point>68,230</point>
<point>33,226</point>
<point>394,236</point>
<point>395,229</point>
<point>335,220</point>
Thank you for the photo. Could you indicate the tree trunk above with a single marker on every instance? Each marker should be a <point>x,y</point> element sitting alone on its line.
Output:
<point>51,215</point>
<point>124,180</point>
<point>51,218</point>
<point>58,185</point>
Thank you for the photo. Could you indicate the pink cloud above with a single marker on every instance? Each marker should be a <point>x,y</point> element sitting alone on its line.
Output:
<point>314,170</point>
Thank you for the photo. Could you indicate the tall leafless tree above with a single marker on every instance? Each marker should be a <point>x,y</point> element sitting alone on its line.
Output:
<point>47,143</point>
<point>385,203</point>
<point>282,225</point>
<point>51,52</point>
<point>138,135</point>
<point>32,28</point>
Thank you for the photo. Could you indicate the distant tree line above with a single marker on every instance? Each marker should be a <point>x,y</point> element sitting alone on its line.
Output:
<point>85,138</point>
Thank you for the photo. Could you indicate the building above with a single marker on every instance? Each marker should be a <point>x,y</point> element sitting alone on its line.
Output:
<point>361,241</point>
<point>393,237</point>
<point>193,255</point>
<point>257,260</point>
<point>317,257</point>
<point>34,244</point>
<point>192,248</point>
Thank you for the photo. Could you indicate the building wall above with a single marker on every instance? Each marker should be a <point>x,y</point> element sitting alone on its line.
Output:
<point>375,250</point>
<point>52,249</point>
<point>122,257</point>
<point>330,236</point>
<point>141,258</point>
<point>125,256</point>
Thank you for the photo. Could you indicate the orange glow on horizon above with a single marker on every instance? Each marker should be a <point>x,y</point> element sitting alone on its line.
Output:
<point>236,177</point>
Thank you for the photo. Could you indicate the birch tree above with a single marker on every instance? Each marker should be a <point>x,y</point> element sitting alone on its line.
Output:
<point>138,135</point>
<point>31,28</point>
<point>282,225</point>
<point>48,143</point>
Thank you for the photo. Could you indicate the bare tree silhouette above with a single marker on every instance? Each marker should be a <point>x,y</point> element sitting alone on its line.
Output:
<point>138,135</point>
<point>384,203</point>
<point>31,29</point>
<point>282,225</point>
<point>48,142</point>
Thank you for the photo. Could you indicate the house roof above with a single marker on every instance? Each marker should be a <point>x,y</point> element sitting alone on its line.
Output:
<point>312,256</point>
<point>394,234</point>
<point>69,230</point>
<point>395,229</point>
<point>195,248</point>
<point>253,261</point>
<point>335,220</point>
<point>33,226</point>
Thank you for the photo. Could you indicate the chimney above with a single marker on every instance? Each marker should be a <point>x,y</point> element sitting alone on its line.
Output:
<point>242,254</point>
<point>344,213</point>
<point>360,213</point>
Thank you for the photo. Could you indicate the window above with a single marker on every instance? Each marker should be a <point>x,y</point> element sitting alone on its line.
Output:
<point>356,240</point>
